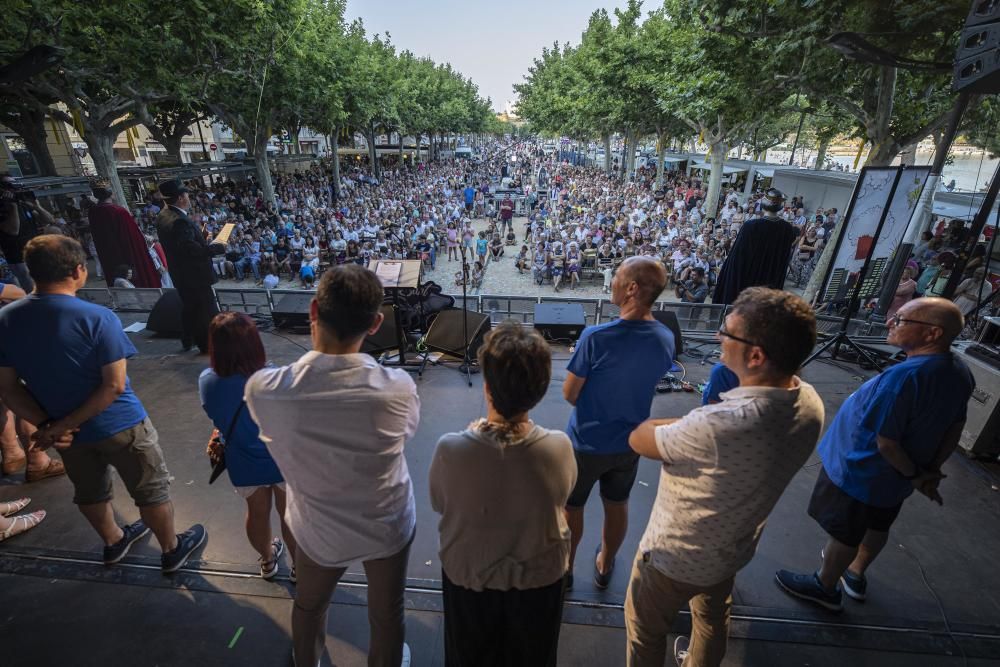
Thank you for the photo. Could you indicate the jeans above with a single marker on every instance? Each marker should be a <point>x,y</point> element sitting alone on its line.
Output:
<point>241,267</point>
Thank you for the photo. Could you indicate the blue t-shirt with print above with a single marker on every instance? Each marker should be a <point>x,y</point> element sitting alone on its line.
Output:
<point>913,403</point>
<point>621,361</point>
<point>58,344</point>
<point>720,380</point>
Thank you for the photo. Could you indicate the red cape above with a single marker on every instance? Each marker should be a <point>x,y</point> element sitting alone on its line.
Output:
<point>119,241</point>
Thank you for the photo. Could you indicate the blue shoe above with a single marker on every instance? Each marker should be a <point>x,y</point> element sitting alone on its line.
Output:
<point>130,534</point>
<point>187,543</point>
<point>808,587</point>
<point>855,585</point>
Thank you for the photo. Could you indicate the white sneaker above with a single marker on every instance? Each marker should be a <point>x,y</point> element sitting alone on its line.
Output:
<point>406,656</point>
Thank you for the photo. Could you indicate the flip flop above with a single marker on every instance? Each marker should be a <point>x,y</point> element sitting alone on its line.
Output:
<point>22,523</point>
<point>14,506</point>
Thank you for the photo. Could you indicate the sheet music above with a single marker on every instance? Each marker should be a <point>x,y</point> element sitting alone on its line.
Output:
<point>388,273</point>
<point>223,236</point>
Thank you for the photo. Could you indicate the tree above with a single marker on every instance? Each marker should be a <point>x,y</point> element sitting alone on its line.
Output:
<point>28,120</point>
<point>895,108</point>
<point>706,83</point>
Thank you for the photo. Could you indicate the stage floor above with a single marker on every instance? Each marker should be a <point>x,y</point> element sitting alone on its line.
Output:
<point>934,593</point>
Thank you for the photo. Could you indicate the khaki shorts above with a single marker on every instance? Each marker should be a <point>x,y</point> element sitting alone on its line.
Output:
<point>134,453</point>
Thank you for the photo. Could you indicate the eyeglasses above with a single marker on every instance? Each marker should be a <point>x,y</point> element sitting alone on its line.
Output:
<point>897,320</point>
<point>722,332</point>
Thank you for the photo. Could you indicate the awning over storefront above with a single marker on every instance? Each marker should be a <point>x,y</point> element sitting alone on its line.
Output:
<point>726,171</point>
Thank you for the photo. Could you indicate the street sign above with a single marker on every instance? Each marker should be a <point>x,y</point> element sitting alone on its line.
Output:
<point>212,147</point>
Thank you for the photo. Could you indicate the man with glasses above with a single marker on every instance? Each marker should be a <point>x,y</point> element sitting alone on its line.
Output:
<point>889,438</point>
<point>724,468</point>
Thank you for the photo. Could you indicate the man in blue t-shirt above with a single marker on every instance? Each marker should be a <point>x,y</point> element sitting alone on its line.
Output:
<point>77,393</point>
<point>889,438</point>
<point>610,384</point>
<point>470,199</point>
<point>720,380</point>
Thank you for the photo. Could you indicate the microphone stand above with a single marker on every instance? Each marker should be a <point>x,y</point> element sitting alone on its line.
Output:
<point>466,366</point>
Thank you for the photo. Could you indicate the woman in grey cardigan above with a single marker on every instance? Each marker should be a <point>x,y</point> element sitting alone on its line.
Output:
<point>500,487</point>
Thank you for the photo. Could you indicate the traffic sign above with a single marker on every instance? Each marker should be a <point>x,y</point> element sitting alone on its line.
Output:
<point>212,147</point>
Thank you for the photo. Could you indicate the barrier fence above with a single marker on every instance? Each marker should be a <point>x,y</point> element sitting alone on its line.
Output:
<point>695,319</point>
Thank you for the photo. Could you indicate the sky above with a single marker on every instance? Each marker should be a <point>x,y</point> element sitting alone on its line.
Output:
<point>493,42</point>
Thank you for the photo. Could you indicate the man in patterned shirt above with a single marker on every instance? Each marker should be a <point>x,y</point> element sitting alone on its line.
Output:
<point>724,467</point>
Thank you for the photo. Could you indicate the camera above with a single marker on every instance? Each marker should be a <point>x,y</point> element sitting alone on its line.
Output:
<point>15,191</point>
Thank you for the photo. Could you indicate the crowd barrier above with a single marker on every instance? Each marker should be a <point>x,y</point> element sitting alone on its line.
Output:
<point>700,320</point>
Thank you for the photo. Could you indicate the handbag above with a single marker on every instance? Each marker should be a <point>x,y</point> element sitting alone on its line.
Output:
<point>216,449</point>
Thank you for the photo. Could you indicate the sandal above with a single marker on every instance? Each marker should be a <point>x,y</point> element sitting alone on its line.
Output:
<point>13,464</point>
<point>22,523</point>
<point>53,469</point>
<point>269,568</point>
<point>14,506</point>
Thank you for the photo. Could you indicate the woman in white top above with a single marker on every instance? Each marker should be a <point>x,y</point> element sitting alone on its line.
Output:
<point>500,487</point>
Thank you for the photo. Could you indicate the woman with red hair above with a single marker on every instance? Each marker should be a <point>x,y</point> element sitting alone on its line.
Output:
<point>235,353</point>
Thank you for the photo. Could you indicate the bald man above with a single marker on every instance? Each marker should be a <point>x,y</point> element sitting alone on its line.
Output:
<point>889,439</point>
<point>610,383</point>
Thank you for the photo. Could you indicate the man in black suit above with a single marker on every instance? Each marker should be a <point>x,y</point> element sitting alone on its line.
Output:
<point>189,256</point>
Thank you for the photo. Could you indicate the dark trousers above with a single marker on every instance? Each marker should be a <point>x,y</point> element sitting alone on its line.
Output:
<point>515,628</point>
<point>198,307</point>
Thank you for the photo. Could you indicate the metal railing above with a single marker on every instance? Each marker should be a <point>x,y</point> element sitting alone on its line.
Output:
<point>693,318</point>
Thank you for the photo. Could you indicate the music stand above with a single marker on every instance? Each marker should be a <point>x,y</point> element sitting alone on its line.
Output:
<point>854,302</point>
<point>408,278</point>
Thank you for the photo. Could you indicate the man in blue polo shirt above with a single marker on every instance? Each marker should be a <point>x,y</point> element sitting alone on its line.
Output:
<point>611,382</point>
<point>71,356</point>
<point>889,438</point>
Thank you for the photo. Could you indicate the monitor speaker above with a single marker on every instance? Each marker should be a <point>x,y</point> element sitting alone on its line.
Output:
<point>668,318</point>
<point>291,311</point>
<point>977,60</point>
<point>445,332</point>
<point>560,321</point>
<point>165,318</point>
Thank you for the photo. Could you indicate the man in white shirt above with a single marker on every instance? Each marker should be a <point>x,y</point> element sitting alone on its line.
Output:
<point>335,422</point>
<point>724,467</point>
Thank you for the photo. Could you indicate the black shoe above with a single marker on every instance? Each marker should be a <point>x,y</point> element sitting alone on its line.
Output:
<point>130,534</point>
<point>186,347</point>
<point>602,580</point>
<point>568,580</point>
<point>855,585</point>
<point>808,587</point>
<point>187,543</point>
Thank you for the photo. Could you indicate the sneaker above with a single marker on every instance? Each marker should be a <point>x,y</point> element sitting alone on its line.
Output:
<point>681,645</point>
<point>855,585</point>
<point>406,656</point>
<point>187,543</point>
<point>808,587</point>
<point>118,550</point>
<point>291,575</point>
<point>269,568</point>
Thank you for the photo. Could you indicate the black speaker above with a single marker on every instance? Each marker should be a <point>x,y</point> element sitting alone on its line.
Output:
<point>560,321</point>
<point>977,61</point>
<point>668,318</point>
<point>384,339</point>
<point>445,332</point>
<point>165,318</point>
<point>291,311</point>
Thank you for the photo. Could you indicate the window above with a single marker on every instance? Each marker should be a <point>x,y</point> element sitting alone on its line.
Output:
<point>18,150</point>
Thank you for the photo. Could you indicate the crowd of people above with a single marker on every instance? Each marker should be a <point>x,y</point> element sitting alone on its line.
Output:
<point>510,493</point>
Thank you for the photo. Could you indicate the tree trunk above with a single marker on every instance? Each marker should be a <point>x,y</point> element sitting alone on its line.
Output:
<point>172,143</point>
<point>884,149</point>
<point>660,145</point>
<point>607,154</point>
<point>370,137</point>
<point>908,157</point>
<point>400,149</point>
<point>717,155</point>
<point>102,149</point>
<point>824,144</point>
<point>416,140</point>
<point>336,162</point>
<point>30,126</point>
<point>815,284</point>
<point>263,169</point>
